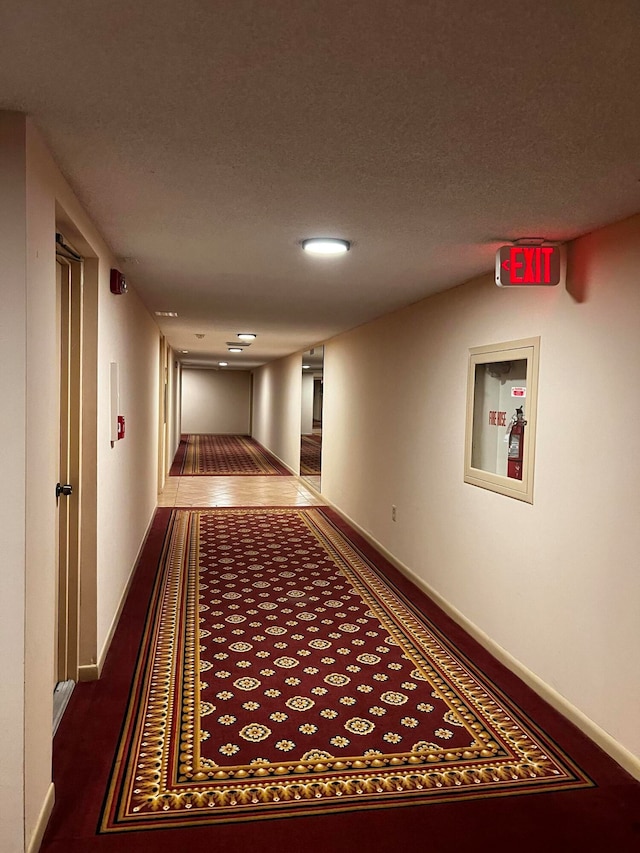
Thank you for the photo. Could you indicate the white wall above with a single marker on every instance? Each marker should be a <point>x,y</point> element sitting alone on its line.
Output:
<point>277,392</point>
<point>556,584</point>
<point>216,401</point>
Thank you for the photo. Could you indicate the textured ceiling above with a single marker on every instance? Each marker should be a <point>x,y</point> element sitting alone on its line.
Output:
<point>207,139</point>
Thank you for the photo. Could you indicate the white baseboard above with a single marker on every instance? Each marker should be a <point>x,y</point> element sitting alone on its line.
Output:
<point>33,844</point>
<point>619,753</point>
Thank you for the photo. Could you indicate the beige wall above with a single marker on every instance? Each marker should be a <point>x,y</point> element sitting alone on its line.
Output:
<point>34,198</point>
<point>556,584</point>
<point>127,472</point>
<point>277,395</point>
<point>13,420</point>
<point>41,477</point>
<point>216,401</point>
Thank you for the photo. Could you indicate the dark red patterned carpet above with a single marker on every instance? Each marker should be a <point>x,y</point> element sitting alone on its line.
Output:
<point>224,455</point>
<point>280,670</point>
<point>269,664</point>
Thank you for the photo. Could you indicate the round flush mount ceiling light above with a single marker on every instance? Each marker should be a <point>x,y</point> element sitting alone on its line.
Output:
<point>326,246</point>
<point>236,349</point>
<point>223,363</point>
<point>306,366</point>
<point>246,336</point>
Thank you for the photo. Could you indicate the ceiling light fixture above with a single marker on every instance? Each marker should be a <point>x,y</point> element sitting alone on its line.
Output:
<point>236,349</point>
<point>184,351</point>
<point>166,314</point>
<point>223,363</point>
<point>246,336</point>
<point>326,246</point>
<point>306,366</point>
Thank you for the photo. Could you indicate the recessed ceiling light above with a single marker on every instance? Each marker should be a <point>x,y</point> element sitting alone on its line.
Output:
<point>166,314</point>
<point>236,349</point>
<point>184,351</point>
<point>306,366</point>
<point>223,363</point>
<point>246,336</point>
<point>326,246</point>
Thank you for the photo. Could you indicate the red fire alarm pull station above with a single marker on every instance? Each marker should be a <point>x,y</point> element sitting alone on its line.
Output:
<point>118,283</point>
<point>525,265</point>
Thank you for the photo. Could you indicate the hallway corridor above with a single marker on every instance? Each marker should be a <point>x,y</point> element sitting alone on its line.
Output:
<point>581,800</point>
<point>362,237</point>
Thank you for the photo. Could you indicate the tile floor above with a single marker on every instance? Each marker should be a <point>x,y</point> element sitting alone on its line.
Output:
<point>236,491</point>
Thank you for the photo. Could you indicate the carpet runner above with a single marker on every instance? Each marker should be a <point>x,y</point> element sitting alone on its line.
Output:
<point>224,455</point>
<point>281,673</point>
<point>310,454</point>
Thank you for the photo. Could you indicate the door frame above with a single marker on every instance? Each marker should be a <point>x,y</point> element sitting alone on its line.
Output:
<point>79,661</point>
<point>163,406</point>
<point>69,281</point>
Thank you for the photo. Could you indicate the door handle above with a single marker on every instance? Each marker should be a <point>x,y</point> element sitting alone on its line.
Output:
<point>65,490</point>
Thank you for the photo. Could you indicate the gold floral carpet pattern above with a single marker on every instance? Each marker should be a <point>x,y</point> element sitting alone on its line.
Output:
<point>280,673</point>
<point>224,455</point>
<point>310,453</point>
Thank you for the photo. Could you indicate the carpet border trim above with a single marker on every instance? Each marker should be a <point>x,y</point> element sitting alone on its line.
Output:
<point>614,749</point>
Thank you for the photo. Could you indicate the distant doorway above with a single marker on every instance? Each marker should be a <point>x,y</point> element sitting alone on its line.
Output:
<point>163,393</point>
<point>311,416</point>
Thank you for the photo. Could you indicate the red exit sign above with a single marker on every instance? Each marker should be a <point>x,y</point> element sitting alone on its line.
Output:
<point>528,266</point>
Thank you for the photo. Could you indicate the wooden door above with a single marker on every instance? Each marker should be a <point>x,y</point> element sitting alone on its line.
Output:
<point>69,286</point>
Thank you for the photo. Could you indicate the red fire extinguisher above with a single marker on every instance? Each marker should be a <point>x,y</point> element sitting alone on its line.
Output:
<point>516,445</point>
